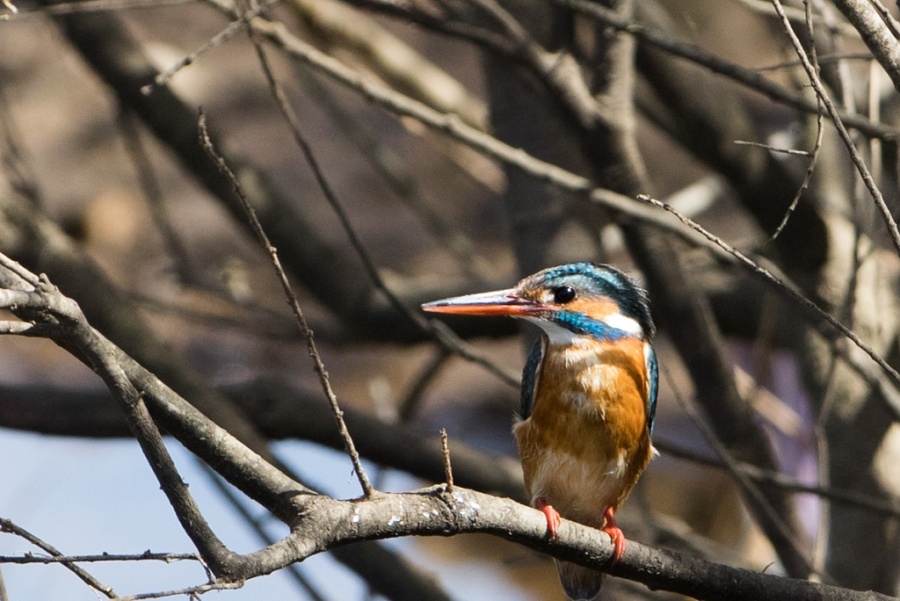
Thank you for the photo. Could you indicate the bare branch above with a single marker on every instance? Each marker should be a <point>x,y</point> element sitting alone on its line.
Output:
<point>878,34</point>
<point>824,98</point>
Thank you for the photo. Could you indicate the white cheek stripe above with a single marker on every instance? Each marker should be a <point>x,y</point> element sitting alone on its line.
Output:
<point>624,323</point>
<point>563,336</point>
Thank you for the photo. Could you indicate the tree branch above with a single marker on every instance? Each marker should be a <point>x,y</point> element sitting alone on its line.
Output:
<point>877,35</point>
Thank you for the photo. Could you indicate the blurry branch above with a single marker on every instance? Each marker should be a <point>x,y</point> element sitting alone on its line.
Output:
<point>764,7</point>
<point>10,527</point>
<point>444,337</point>
<point>282,411</point>
<point>747,77</point>
<point>388,57</point>
<point>644,34</point>
<point>335,279</point>
<point>450,125</point>
<point>855,157</point>
<point>847,497</point>
<point>87,6</point>
<point>395,172</point>
<point>780,522</point>
<point>149,183</point>
<point>878,33</point>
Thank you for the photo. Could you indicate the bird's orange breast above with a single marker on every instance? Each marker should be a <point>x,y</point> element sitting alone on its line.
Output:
<point>586,441</point>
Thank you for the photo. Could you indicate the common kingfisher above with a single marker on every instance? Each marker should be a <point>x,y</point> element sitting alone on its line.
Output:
<point>588,396</point>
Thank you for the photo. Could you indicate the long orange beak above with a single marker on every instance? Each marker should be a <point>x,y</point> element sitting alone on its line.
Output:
<point>499,302</point>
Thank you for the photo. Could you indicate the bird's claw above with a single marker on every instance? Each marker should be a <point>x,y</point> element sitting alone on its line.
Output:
<point>552,516</point>
<point>615,533</point>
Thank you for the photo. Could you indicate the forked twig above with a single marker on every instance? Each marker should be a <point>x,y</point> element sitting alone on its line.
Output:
<point>825,99</point>
<point>817,146</point>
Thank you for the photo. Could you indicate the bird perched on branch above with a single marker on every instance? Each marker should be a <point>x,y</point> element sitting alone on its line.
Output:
<point>588,396</point>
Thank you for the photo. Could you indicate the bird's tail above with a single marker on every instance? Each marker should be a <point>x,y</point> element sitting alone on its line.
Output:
<point>580,583</point>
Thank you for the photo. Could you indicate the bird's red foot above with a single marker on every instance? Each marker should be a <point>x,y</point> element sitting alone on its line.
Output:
<point>540,503</point>
<point>615,533</point>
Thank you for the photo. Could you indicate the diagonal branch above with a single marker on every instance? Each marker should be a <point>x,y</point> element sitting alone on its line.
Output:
<point>292,301</point>
<point>876,33</point>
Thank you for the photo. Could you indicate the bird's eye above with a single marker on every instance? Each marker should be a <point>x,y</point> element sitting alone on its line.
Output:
<point>564,294</point>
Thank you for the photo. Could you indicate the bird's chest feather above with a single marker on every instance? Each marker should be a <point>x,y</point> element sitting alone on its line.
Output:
<point>586,440</point>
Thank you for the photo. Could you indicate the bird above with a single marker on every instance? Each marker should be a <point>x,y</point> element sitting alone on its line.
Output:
<point>588,397</point>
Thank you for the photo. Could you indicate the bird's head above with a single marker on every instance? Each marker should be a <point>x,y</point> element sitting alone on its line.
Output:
<point>578,299</point>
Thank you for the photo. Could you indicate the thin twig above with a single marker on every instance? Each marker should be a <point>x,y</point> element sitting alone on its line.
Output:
<point>294,122</point>
<point>790,291</point>
<point>192,592</point>
<point>10,527</point>
<point>824,59</point>
<point>448,468</point>
<point>764,7</point>
<point>105,557</point>
<point>230,30</point>
<point>293,302</point>
<point>770,148</point>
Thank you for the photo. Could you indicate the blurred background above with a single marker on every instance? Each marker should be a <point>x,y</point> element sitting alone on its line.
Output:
<point>777,436</point>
